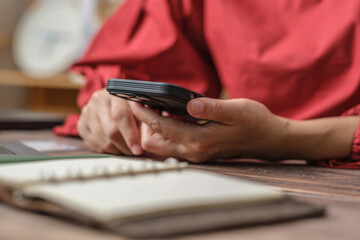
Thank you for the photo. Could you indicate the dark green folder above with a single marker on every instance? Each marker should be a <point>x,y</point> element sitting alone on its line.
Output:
<point>11,152</point>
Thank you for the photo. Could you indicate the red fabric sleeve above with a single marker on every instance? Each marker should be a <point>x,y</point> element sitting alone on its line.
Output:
<point>353,161</point>
<point>148,40</point>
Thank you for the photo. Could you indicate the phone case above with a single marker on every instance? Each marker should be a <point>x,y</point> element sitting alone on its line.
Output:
<point>158,95</point>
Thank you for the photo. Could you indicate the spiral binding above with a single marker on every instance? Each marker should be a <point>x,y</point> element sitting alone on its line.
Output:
<point>19,198</point>
<point>100,171</point>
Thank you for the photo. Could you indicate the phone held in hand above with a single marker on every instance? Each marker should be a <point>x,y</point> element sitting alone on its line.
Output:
<point>158,95</point>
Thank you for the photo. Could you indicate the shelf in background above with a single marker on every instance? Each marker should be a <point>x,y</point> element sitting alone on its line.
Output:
<point>52,95</point>
<point>16,78</point>
<point>5,40</point>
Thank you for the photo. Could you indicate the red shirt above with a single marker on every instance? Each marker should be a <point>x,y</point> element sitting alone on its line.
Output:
<point>299,58</point>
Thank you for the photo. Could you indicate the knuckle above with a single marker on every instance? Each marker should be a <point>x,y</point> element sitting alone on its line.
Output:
<point>244,109</point>
<point>120,114</point>
<point>243,105</point>
<point>198,147</point>
<point>191,138</point>
<point>155,125</point>
<point>85,110</point>
<point>97,95</point>
<point>247,104</point>
<point>112,131</point>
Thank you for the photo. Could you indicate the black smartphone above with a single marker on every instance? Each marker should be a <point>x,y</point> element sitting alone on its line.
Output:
<point>158,95</point>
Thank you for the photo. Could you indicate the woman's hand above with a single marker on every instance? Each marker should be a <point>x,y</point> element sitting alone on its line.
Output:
<point>243,128</point>
<point>238,128</point>
<point>107,125</point>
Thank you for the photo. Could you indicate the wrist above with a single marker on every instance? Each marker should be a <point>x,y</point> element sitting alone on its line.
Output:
<point>319,139</point>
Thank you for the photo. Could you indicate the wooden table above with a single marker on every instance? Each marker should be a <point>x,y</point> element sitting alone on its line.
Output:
<point>338,190</point>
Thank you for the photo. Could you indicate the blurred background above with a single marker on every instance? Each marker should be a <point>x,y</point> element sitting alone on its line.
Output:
<point>39,40</point>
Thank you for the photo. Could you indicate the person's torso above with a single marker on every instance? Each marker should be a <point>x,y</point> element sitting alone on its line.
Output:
<point>299,58</point>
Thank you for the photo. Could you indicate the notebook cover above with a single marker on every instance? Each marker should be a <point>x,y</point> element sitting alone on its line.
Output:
<point>187,222</point>
<point>287,209</point>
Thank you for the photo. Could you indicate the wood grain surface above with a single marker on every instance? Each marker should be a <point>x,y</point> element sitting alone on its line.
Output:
<point>336,189</point>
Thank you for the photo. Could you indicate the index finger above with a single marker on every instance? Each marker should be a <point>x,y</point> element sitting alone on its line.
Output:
<point>166,126</point>
<point>127,126</point>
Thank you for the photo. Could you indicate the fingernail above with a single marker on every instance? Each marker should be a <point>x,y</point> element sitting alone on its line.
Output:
<point>196,107</point>
<point>136,149</point>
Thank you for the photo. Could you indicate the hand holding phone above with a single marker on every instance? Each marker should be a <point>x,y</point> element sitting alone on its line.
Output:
<point>158,95</point>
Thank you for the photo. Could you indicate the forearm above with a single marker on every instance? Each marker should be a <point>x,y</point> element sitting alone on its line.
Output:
<point>319,139</point>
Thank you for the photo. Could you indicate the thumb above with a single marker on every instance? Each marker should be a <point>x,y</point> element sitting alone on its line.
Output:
<point>211,109</point>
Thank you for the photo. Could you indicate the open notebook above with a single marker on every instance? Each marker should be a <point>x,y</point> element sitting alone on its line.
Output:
<point>142,198</point>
